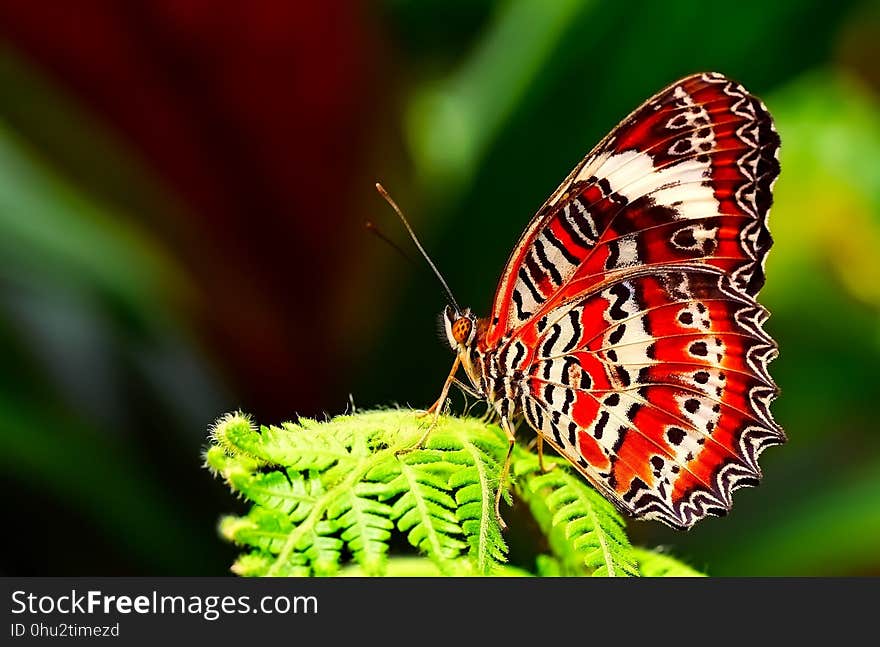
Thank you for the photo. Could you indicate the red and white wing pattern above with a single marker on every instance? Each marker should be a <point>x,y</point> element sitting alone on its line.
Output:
<point>626,315</point>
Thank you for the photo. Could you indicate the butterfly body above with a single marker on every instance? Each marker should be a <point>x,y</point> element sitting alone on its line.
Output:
<point>625,328</point>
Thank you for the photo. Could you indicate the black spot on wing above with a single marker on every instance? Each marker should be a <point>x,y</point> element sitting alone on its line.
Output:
<point>620,438</point>
<point>569,399</point>
<point>613,254</point>
<point>601,423</point>
<point>675,435</point>
<point>552,338</point>
<point>521,314</point>
<point>576,330</point>
<point>586,381</point>
<point>617,334</point>
<point>621,293</point>
<point>637,484</point>
<point>572,433</point>
<point>684,238</point>
<point>520,353</point>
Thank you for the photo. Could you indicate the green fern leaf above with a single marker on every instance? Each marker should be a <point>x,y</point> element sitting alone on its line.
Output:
<point>653,563</point>
<point>263,529</point>
<point>584,530</point>
<point>472,452</point>
<point>365,527</point>
<point>257,564</point>
<point>424,567</point>
<point>320,488</point>
<point>321,491</point>
<point>426,513</point>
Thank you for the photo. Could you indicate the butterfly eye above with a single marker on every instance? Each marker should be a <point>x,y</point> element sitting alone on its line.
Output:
<point>461,329</point>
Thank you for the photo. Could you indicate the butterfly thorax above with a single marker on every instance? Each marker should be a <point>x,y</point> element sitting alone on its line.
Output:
<point>495,376</point>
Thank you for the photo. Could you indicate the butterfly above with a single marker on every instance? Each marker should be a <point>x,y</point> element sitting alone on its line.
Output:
<point>625,328</point>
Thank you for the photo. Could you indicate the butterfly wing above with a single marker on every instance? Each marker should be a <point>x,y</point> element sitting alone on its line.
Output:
<point>702,152</point>
<point>630,303</point>
<point>656,388</point>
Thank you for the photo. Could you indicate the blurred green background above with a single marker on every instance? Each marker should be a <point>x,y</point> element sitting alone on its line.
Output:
<point>183,188</point>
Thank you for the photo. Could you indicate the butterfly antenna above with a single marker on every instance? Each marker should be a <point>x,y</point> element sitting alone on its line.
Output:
<point>412,234</point>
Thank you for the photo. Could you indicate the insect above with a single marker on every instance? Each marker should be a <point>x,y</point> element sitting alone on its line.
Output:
<point>625,328</point>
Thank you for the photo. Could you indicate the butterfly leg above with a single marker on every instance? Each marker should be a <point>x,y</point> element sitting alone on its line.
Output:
<point>435,408</point>
<point>465,388</point>
<point>438,405</point>
<point>505,471</point>
<point>541,453</point>
<point>544,468</point>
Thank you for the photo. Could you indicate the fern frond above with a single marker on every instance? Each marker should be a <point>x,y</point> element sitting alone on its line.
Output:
<point>424,567</point>
<point>263,529</point>
<point>584,530</point>
<point>326,492</point>
<point>257,564</point>
<point>426,513</point>
<point>653,563</point>
<point>364,526</point>
<point>472,452</point>
<point>319,489</point>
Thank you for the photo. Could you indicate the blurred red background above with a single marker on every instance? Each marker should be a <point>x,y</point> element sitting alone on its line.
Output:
<point>254,118</point>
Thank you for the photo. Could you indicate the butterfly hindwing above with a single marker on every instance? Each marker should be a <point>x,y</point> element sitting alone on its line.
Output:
<point>630,301</point>
<point>656,388</point>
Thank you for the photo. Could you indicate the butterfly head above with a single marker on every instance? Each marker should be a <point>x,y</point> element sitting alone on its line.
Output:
<point>460,328</point>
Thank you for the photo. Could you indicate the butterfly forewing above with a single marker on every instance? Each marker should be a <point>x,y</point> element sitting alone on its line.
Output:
<point>697,162</point>
<point>628,305</point>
